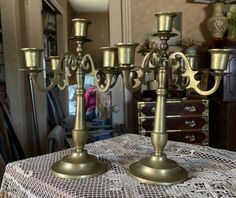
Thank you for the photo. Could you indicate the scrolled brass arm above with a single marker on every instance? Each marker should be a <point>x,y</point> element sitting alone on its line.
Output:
<point>53,82</point>
<point>104,80</point>
<point>190,74</point>
<point>88,64</point>
<point>128,82</point>
<point>66,62</point>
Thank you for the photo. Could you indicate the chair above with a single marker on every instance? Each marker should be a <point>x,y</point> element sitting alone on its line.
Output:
<point>55,113</point>
<point>2,168</point>
<point>57,139</point>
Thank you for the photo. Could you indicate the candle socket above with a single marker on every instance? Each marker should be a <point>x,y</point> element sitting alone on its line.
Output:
<point>80,27</point>
<point>165,21</point>
<point>54,62</point>
<point>219,59</point>
<point>32,57</point>
<point>126,53</point>
<point>110,56</point>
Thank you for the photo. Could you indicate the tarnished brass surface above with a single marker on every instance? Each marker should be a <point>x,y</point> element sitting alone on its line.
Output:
<point>193,60</point>
<point>126,53</point>
<point>54,62</point>
<point>158,170</point>
<point>110,56</point>
<point>80,27</point>
<point>78,165</point>
<point>219,58</point>
<point>165,21</point>
<point>33,57</point>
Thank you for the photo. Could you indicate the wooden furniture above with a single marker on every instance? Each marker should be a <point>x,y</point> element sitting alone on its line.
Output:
<point>211,172</point>
<point>187,120</point>
<point>222,106</point>
<point>223,125</point>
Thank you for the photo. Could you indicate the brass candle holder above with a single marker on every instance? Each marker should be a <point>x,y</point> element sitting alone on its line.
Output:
<point>79,164</point>
<point>119,60</point>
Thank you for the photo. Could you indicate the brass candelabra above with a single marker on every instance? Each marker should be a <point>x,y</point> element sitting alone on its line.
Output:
<point>119,60</point>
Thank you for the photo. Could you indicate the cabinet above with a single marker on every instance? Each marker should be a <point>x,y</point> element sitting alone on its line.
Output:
<point>186,120</point>
<point>223,125</point>
<point>223,107</point>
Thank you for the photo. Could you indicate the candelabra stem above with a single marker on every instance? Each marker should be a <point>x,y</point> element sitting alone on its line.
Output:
<point>79,164</point>
<point>159,135</point>
<point>79,133</point>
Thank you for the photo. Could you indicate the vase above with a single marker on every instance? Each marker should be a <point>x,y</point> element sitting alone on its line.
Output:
<point>218,23</point>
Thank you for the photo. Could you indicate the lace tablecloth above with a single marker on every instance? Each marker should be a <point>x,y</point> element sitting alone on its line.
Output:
<point>212,172</point>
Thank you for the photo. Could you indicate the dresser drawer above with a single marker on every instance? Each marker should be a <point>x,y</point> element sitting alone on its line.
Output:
<point>193,137</point>
<point>187,108</point>
<point>186,120</point>
<point>175,123</point>
<point>175,107</point>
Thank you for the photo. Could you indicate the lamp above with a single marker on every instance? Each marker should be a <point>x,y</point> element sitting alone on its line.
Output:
<point>156,169</point>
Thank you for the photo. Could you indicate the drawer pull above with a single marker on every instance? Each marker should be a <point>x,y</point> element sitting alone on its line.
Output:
<point>190,123</point>
<point>190,109</point>
<point>190,138</point>
<point>153,110</point>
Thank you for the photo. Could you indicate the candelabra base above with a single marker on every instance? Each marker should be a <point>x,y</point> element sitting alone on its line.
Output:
<point>158,170</point>
<point>78,165</point>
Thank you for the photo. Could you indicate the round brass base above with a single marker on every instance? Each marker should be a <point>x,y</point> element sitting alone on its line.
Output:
<point>158,170</point>
<point>78,165</point>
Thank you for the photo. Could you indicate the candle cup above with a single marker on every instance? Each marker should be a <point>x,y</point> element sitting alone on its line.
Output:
<point>110,56</point>
<point>54,62</point>
<point>32,57</point>
<point>80,27</point>
<point>126,53</point>
<point>219,59</point>
<point>193,61</point>
<point>165,21</point>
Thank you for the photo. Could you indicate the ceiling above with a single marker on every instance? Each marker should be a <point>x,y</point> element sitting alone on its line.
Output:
<point>89,5</point>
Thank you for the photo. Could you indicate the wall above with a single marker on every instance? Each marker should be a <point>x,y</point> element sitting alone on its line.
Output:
<point>194,17</point>
<point>22,27</point>
<point>13,29</point>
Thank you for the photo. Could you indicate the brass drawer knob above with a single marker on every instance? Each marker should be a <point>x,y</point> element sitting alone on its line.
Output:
<point>190,123</point>
<point>190,138</point>
<point>190,109</point>
<point>153,110</point>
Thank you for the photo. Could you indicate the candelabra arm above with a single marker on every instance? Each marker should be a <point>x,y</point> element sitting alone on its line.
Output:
<point>88,64</point>
<point>190,74</point>
<point>137,81</point>
<point>105,86</point>
<point>104,80</point>
<point>208,92</point>
<point>147,63</point>
<point>65,80</point>
<point>53,82</point>
<point>67,60</point>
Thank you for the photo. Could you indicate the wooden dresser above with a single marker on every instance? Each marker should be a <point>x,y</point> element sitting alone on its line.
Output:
<point>187,120</point>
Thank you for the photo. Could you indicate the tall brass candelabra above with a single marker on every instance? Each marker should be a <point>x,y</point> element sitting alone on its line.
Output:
<point>119,60</point>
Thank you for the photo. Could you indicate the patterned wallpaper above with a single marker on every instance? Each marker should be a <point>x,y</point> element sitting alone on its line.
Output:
<point>194,17</point>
